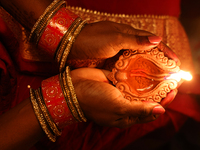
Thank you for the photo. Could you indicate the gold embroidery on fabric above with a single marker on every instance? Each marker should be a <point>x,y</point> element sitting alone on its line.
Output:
<point>27,51</point>
<point>168,27</point>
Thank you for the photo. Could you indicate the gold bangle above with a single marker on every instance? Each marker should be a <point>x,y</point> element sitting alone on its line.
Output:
<point>69,43</point>
<point>45,111</point>
<point>73,94</point>
<point>43,20</point>
<point>65,54</point>
<point>60,49</point>
<point>40,117</point>
<point>67,97</point>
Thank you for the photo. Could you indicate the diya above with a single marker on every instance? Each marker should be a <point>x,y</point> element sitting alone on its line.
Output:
<point>145,75</point>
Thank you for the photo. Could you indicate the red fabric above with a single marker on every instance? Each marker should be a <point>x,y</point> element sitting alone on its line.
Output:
<point>7,71</point>
<point>151,7</point>
<point>13,89</point>
<point>13,86</point>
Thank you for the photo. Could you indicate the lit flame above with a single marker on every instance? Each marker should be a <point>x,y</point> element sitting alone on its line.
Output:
<point>180,75</point>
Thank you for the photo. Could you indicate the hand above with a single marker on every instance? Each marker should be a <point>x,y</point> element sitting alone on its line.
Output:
<point>105,105</point>
<point>169,53</point>
<point>105,39</point>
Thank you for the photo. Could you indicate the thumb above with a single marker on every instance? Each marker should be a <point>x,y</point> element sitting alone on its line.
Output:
<point>169,53</point>
<point>144,108</point>
<point>148,40</point>
<point>142,112</point>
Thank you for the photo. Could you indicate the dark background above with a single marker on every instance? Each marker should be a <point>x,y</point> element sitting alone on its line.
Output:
<point>190,18</point>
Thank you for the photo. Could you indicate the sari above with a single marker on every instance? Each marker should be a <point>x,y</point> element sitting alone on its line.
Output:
<point>22,64</point>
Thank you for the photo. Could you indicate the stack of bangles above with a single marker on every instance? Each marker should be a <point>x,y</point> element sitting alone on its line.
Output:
<point>56,30</point>
<point>55,104</point>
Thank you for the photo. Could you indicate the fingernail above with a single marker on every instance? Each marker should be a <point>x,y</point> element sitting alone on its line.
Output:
<point>158,110</point>
<point>154,39</point>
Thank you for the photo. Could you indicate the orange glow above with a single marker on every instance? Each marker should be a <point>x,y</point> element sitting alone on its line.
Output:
<point>180,75</point>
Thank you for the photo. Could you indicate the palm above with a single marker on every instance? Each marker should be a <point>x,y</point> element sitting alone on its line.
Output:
<point>91,88</point>
<point>104,104</point>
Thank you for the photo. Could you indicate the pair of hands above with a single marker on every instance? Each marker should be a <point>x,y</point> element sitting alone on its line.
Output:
<point>99,100</point>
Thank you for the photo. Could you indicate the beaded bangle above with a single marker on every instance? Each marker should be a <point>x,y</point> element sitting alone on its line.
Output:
<point>73,94</point>
<point>43,20</point>
<point>67,96</point>
<point>47,116</point>
<point>68,44</point>
<point>40,117</point>
<point>65,39</point>
<point>56,103</point>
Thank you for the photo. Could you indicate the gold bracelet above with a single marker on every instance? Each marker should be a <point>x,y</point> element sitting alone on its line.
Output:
<point>60,49</point>
<point>67,97</point>
<point>40,117</point>
<point>73,94</point>
<point>43,20</point>
<point>65,54</point>
<point>69,43</point>
<point>45,111</point>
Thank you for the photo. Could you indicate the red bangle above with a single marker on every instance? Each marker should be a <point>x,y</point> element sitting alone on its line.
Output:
<point>56,103</point>
<point>55,30</point>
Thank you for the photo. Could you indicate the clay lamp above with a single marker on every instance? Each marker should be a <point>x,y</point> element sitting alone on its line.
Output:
<point>146,75</point>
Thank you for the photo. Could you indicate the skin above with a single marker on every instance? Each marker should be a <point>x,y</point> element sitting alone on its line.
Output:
<point>25,12</point>
<point>19,125</point>
<point>105,39</point>
<point>105,105</point>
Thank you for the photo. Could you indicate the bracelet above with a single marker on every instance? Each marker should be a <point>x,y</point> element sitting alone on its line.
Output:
<point>60,49</point>
<point>56,103</point>
<point>68,44</point>
<point>67,96</point>
<point>43,20</point>
<point>47,116</point>
<point>73,94</point>
<point>56,28</point>
<point>40,116</point>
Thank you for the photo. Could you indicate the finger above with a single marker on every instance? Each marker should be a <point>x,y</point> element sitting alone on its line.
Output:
<point>129,121</point>
<point>148,40</point>
<point>90,74</point>
<point>148,111</point>
<point>138,39</point>
<point>147,119</point>
<point>168,52</point>
<point>136,42</point>
<point>143,108</point>
<point>127,29</point>
<point>170,97</point>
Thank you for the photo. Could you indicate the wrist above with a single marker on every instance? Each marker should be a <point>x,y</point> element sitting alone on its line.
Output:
<point>55,104</point>
<point>56,30</point>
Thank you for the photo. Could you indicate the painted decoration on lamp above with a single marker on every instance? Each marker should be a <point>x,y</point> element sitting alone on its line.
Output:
<point>142,74</point>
